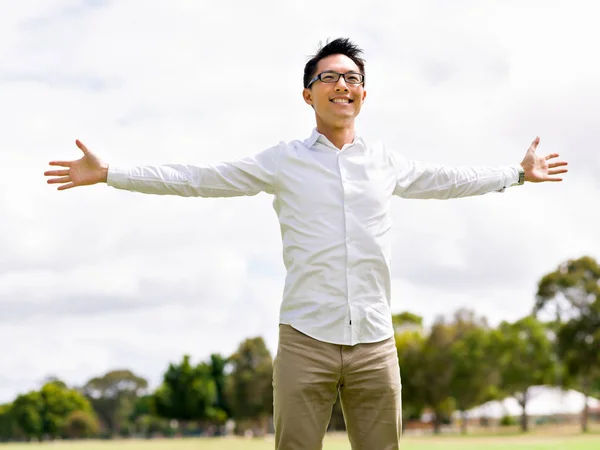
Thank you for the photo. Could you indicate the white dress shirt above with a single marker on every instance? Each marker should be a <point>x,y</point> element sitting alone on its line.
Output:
<point>334,211</point>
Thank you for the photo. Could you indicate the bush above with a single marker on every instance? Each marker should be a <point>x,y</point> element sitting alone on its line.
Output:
<point>80,425</point>
<point>508,421</point>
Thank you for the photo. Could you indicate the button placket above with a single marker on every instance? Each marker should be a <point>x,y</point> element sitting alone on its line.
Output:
<point>344,180</point>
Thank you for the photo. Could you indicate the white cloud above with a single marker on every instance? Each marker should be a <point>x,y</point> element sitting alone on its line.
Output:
<point>94,278</point>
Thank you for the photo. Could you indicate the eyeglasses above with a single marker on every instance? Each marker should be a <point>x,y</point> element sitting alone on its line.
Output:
<point>333,77</point>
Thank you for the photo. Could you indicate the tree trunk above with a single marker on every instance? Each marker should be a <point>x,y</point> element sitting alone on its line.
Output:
<point>585,413</point>
<point>437,424</point>
<point>463,423</point>
<point>524,422</point>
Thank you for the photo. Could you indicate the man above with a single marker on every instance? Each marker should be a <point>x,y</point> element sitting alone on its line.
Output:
<point>332,195</point>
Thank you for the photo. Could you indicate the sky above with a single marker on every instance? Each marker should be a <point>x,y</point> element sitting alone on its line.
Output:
<point>94,279</point>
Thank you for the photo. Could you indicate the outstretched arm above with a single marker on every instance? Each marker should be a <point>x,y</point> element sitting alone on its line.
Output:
<point>247,176</point>
<point>420,180</point>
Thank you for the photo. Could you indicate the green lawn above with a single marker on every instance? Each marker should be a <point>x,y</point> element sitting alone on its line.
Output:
<point>334,443</point>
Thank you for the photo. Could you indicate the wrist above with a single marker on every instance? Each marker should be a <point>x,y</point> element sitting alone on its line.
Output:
<point>104,174</point>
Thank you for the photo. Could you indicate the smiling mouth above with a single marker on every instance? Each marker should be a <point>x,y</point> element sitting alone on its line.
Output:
<point>341,100</point>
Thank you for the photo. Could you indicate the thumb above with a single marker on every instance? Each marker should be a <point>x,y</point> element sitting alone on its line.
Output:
<point>535,143</point>
<point>82,147</point>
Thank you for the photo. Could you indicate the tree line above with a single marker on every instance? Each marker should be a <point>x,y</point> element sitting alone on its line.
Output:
<point>452,366</point>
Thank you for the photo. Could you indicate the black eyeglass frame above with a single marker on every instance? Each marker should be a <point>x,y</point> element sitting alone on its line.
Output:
<point>318,77</point>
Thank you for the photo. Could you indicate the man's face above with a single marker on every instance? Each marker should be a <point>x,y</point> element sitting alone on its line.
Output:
<point>336,104</point>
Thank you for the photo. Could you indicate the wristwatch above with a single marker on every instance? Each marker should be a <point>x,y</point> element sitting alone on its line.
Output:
<point>521,176</point>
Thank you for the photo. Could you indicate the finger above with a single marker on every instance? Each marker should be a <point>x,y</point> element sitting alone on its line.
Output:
<point>59,180</point>
<point>535,143</point>
<point>557,171</point>
<point>82,147</point>
<point>552,155</point>
<point>558,164</point>
<point>61,163</point>
<point>56,173</point>
<point>66,186</point>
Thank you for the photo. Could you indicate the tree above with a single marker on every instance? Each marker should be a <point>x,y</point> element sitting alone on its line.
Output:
<point>188,393</point>
<point>437,368</point>
<point>7,423</point>
<point>475,375</point>
<point>578,344</point>
<point>572,293</point>
<point>58,403</point>
<point>251,388</point>
<point>27,412</point>
<point>407,320</point>
<point>526,358</point>
<point>43,413</point>
<point>218,365</point>
<point>55,380</point>
<point>570,290</point>
<point>437,371</point>
<point>409,345</point>
<point>113,396</point>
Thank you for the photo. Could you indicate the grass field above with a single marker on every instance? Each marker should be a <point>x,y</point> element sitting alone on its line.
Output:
<point>591,442</point>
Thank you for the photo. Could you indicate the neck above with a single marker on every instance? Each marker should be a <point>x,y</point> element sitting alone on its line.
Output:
<point>338,136</point>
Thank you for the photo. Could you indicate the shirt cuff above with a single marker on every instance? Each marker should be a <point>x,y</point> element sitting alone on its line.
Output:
<point>117,178</point>
<point>512,177</point>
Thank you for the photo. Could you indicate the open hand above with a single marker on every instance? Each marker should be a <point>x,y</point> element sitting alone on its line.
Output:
<point>540,168</point>
<point>85,171</point>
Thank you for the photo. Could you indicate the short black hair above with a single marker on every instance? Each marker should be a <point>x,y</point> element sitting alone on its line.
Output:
<point>339,46</point>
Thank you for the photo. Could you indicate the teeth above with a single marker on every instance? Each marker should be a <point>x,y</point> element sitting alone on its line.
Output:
<point>341,100</point>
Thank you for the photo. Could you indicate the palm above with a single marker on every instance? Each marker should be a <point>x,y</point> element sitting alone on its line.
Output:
<point>541,168</point>
<point>84,171</point>
<point>87,170</point>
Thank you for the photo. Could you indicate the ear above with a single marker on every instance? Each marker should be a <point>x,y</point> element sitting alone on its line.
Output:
<point>307,95</point>
<point>364,96</point>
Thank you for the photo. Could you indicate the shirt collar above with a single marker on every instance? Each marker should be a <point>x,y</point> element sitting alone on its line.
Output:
<point>317,137</point>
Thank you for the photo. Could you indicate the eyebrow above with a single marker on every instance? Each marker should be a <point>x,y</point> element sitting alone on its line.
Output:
<point>337,71</point>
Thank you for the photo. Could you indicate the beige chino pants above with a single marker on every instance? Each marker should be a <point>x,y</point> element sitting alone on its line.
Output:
<point>308,375</point>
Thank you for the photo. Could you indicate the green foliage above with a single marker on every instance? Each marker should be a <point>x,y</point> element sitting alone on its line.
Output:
<point>434,371</point>
<point>409,345</point>
<point>250,389</point>
<point>526,358</point>
<point>572,292</point>
<point>7,423</point>
<point>508,421</point>
<point>149,425</point>
<point>59,402</point>
<point>80,425</point>
<point>218,365</point>
<point>406,317</point>
<point>27,411</point>
<point>187,392</point>
<point>44,413</point>
<point>143,406</point>
<point>570,289</point>
<point>113,397</point>
<point>475,372</point>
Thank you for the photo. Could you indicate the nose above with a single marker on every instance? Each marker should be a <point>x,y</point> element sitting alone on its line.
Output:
<point>341,85</point>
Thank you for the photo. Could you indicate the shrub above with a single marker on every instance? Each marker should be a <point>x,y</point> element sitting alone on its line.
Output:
<point>80,425</point>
